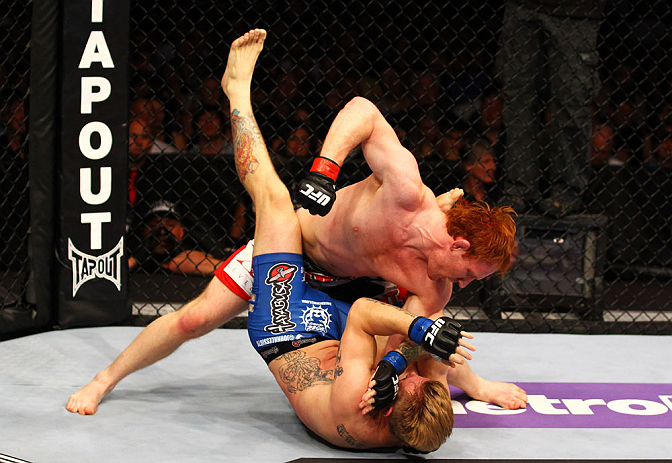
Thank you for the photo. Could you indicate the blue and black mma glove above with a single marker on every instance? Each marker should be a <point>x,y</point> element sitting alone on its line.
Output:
<point>440,337</point>
<point>317,192</point>
<point>387,379</point>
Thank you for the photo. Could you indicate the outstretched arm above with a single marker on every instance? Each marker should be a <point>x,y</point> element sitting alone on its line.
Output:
<point>193,262</point>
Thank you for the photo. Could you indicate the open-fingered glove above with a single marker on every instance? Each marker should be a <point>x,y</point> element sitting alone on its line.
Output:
<point>387,379</point>
<point>440,337</point>
<point>317,192</point>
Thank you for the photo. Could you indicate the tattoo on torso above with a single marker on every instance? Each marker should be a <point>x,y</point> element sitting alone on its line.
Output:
<point>301,372</point>
<point>338,369</point>
<point>245,136</point>
<point>351,441</point>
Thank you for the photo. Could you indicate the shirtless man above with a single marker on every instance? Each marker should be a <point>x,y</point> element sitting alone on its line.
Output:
<point>325,366</point>
<point>389,225</point>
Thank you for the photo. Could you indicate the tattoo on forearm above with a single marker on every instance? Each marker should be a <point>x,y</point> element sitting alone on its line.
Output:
<point>301,372</point>
<point>245,136</point>
<point>351,441</point>
<point>400,309</point>
<point>411,351</point>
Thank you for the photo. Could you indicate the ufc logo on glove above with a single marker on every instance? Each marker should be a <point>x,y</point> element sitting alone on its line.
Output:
<point>317,196</point>
<point>319,187</point>
<point>433,330</point>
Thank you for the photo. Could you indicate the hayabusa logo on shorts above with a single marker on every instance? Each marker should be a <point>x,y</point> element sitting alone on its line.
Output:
<point>279,277</point>
<point>86,267</point>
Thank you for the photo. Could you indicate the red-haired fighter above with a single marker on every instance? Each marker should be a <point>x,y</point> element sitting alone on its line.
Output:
<point>388,226</point>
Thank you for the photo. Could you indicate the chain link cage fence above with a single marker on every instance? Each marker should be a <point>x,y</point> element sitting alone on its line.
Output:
<point>15,21</point>
<point>561,111</point>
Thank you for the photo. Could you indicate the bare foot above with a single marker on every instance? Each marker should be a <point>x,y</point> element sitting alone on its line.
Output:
<point>242,58</point>
<point>506,395</point>
<point>86,400</point>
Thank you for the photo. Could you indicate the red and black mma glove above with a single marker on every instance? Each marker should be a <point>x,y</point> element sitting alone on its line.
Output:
<point>387,379</point>
<point>440,337</point>
<point>317,192</point>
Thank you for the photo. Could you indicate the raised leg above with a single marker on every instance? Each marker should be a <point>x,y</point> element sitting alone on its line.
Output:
<point>277,228</point>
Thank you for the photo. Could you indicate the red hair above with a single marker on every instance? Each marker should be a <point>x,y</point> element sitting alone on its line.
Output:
<point>490,231</point>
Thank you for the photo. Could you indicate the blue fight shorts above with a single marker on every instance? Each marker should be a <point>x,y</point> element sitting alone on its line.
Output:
<point>285,313</point>
<point>236,274</point>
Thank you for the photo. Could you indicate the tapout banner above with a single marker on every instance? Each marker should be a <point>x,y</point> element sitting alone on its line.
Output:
<point>92,263</point>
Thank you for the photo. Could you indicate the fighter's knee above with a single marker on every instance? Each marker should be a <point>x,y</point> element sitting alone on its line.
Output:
<point>279,196</point>
<point>192,324</point>
<point>274,196</point>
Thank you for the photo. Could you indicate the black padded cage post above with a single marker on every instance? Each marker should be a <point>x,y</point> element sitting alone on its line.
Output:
<point>29,44</point>
<point>43,150</point>
<point>92,269</point>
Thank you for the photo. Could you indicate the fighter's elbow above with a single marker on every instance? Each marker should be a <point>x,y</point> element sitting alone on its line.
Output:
<point>359,100</point>
<point>356,308</point>
<point>423,308</point>
<point>359,312</point>
<point>362,106</point>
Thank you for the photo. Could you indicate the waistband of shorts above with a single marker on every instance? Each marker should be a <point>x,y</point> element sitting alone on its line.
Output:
<point>274,351</point>
<point>319,278</point>
<point>274,257</point>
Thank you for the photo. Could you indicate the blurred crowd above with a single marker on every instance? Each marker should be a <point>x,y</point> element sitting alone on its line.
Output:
<point>187,208</point>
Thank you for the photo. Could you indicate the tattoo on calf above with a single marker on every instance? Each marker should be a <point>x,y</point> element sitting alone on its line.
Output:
<point>245,136</point>
<point>301,372</point>
<point>351,441</point>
